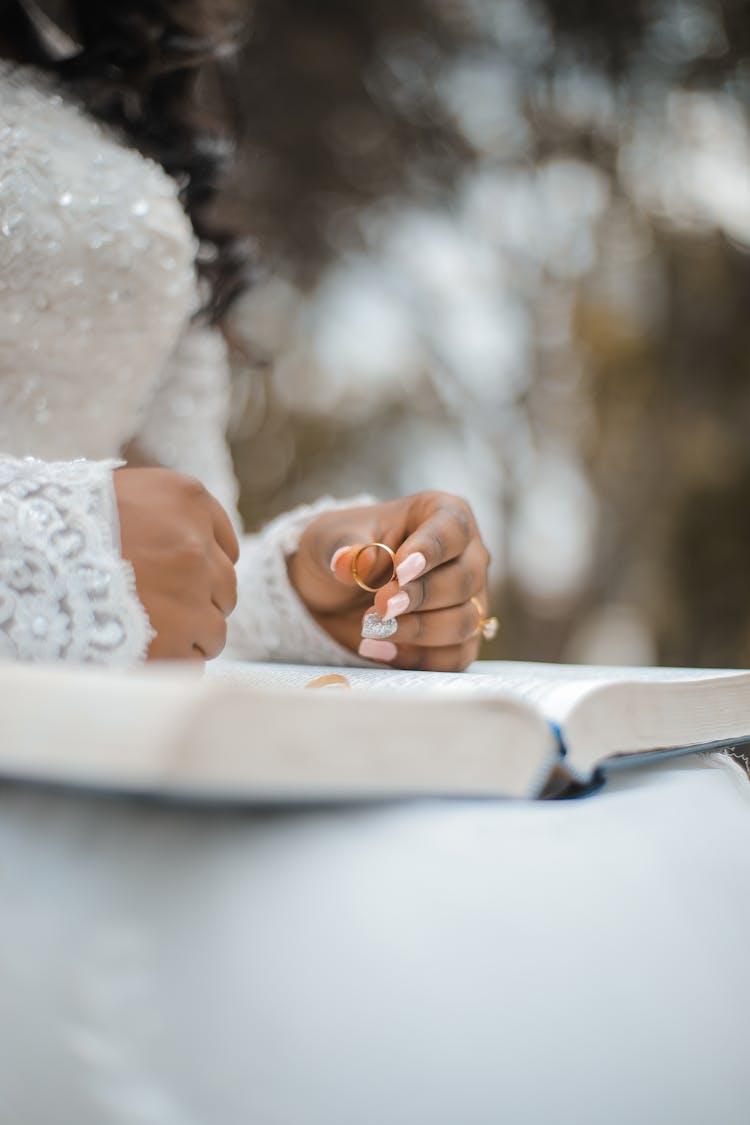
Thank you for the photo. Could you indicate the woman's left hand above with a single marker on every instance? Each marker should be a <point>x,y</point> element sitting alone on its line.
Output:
<point>441,564</point>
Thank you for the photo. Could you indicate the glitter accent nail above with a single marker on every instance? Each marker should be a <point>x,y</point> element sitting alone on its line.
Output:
<point>378,628</point>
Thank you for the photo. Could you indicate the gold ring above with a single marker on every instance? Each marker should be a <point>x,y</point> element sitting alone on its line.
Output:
<point>332,679</point>
<point>487,626</point>
<point>355,571</point>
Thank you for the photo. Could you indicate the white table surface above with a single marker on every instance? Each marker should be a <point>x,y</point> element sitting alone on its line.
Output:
<point>430,963</point>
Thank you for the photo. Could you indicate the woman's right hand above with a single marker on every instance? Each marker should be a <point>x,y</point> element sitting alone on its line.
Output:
<point>182,547</point>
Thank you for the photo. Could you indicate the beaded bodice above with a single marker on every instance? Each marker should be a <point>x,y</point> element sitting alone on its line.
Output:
<point>97,348</point>
<point>96,276</point>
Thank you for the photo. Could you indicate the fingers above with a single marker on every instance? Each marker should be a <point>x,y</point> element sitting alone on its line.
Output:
<point>437,629</point>
<point>182,547</point>
<point>211,633</point>
<point>448,585</point>
<point>224,559</point>
<point>449,658</point>
<point>439,640</point>
<point>435,528</point>
<point>190,621</point>
<point>202,636</point>
<point>444,528</point>
<point>224,533</point>
<point>223,583</point>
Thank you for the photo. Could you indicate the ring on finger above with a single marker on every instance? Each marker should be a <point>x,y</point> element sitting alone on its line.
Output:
<point>487,626</point>
<point>355,566</point>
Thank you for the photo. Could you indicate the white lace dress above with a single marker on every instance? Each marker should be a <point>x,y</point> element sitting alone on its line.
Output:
<point>98,348</point>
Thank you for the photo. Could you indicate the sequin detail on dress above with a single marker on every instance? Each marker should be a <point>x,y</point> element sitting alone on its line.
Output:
<point>97,276</point>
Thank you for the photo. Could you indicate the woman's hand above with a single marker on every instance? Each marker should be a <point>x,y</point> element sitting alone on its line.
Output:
<point>182,547</point>
<point>441,564</point>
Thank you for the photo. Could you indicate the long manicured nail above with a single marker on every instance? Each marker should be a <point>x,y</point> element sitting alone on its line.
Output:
<point>411,567</point>
<point>377,650</point>
<point>377,628</point>
<point>397,604</point>
<point>337,555</point>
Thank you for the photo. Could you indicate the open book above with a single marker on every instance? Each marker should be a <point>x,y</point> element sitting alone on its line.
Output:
<point>254,732</point>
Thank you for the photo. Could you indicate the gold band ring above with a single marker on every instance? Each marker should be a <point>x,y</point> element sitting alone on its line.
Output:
<point>332,679</point>
<point>355,570</point>
<point>487,626</point>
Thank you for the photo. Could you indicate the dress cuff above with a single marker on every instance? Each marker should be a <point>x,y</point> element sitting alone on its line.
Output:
<point>65,591</point>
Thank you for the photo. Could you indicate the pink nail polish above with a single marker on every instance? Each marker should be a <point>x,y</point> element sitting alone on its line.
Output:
<point>411,567</point>
<point>397,604</point>
<point>377,650</point>
<point>337,555</point>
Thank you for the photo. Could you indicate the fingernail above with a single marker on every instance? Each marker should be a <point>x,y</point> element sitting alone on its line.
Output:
<point>377,650</point>
<point>411,567</point>
<point>397,604</point>
<point>377,628</point>
<point>337,555</point>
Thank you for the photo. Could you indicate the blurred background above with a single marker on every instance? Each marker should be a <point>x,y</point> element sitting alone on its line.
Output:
<point>503,250</point>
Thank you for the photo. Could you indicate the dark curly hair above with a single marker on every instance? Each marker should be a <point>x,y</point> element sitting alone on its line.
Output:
<point>136,64</point>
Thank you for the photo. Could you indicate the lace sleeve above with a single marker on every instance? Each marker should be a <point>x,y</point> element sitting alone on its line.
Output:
<point>65,591</point>
<point>185,430</point>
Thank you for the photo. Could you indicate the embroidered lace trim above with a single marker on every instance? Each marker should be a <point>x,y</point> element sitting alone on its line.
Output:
<point>65,592</point>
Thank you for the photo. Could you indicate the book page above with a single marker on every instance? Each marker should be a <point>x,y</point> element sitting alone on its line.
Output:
<point>553,689</point>
<point>557,689</point>
<point>381,680</point>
